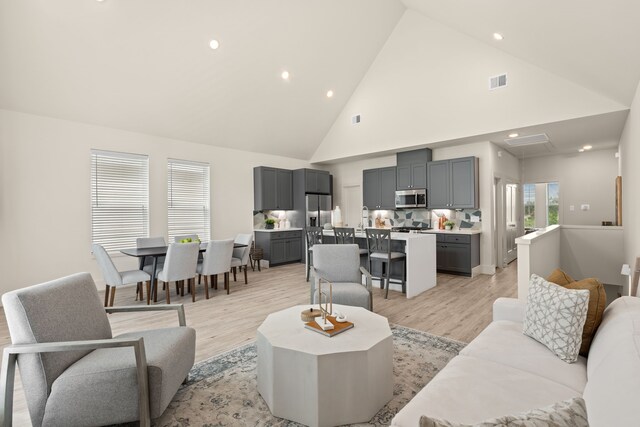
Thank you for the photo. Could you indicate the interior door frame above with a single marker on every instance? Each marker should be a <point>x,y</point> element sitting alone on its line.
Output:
<point>500,220</point>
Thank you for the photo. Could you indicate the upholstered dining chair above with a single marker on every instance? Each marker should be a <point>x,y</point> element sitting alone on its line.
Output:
<point>74,371</point>
<point>179,265</point>
<point>347,235</point>
<point>313,236</point>
<point>114,278</point>
<point>216,260</point>
<point>379,246</point>
<point>340,265</point>
<point>241,255</point>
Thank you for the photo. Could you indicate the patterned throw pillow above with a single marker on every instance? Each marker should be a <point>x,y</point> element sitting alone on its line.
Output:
<point>555,316</point>
<point>568,413</point>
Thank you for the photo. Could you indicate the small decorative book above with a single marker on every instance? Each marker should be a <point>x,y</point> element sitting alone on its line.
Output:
<point>338,327</point>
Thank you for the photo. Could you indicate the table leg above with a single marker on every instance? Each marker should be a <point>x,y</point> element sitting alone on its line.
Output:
<point>153,281</point>
<point>139,285</point>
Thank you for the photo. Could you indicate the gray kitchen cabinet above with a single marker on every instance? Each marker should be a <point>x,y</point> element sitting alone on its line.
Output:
<point>412,169</point>
<point>379,188</point>
<point>272,189</point>
<point>453,184</point>
<point>312,181</point>
<point>280,247</point>
<point>457,253</point>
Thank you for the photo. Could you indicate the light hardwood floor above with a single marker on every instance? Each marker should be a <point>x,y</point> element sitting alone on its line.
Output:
<point>458,308</point>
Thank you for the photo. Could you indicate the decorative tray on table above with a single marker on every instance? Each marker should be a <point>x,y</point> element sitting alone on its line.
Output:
<point>338,327</point>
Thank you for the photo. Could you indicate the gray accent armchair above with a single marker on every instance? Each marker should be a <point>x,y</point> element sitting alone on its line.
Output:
<point>340,265</point>
<point>73,370</point>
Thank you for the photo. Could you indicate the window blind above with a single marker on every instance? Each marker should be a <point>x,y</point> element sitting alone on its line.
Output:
<point>119,199</point>
<point>188,199</point>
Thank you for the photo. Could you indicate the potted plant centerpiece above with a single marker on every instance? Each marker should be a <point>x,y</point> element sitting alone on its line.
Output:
<point>268,223</point>
<point>448,225</point>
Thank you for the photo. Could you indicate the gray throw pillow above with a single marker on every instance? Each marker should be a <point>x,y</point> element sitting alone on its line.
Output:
<point>555,316</point>
<point>568,413</point>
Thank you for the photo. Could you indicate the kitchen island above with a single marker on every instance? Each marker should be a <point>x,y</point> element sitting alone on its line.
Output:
<point>420,250</point>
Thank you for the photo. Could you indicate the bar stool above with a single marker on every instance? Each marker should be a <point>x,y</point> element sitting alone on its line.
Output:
<point>379,247</point>
<point>347,236</point>
<point>313,236</point>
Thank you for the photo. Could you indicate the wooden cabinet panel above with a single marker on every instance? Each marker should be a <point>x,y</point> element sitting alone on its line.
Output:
<point>403,177</point>
<point>438,179</point>
<point>453,184</point>
<point>272,189</point>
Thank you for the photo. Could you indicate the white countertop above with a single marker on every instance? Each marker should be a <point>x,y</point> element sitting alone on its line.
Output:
<point>275,230</point>
<point>394,235</point>
<point>455,231</point>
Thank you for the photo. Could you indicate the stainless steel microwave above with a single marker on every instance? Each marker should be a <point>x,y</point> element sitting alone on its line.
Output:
<point>411,199</point>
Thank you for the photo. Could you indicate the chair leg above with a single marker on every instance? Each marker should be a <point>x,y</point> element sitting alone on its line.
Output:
<point>214,281</point>
<point>138,290</point>
<point>258,261</point>
<point>226,282</point>
<point>167,293</point>
<point>234,274</point>
<point>181,288</point>
<point>206,286</point>
<point>177,287</point>
<point>199,278</point>
<point>308,264</point>
<point>148,292</point>
<point>388,279</point>
<point>106,296</point>
<point>113,295</point>
<point>155,290</point>
<point>192,288</point>
<point>141,289</point>
<point>245,275</point>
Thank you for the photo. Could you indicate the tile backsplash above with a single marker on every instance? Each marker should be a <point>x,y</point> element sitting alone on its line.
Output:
<point>465,218</point>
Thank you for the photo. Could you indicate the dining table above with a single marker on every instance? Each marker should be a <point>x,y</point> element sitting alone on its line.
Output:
<point>157,252</point>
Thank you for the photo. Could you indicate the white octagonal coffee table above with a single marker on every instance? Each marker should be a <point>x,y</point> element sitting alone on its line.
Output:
<point>320,381</point>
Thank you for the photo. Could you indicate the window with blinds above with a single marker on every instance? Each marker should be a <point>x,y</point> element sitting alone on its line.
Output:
<point>188,199</point>
<point>119,199</point>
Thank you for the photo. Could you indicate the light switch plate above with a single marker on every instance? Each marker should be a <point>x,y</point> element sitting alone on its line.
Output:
<point>572,208</point>
<point>585,207</point>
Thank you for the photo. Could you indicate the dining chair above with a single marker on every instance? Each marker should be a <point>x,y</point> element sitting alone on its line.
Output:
<point>114,278</point>
<point>313,236</point>
<point>241,255</point>
<point>347,236</point>
<point>74,371</point>
<point>216,260</point>
<point>339,264</point>
<point>179,265</point>
<point>379,247</point>
<point>147,262</point>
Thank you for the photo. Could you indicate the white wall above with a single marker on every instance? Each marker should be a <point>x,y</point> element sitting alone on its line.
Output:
<point>429,83</point>
<point>585,178</point>
<point>630,161</point>
<point>45,192</point>
<point>538,253</point>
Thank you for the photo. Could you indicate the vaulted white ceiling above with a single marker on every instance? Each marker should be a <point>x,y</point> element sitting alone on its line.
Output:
<point>146,65</point>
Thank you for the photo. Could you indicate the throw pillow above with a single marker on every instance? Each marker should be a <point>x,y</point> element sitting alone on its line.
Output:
<point>559,277</point>
<point>597,303</point>
<point>555,317</point>
<point>568,413</point>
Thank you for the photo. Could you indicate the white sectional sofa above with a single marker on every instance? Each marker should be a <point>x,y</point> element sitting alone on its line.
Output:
<point>504,372</point>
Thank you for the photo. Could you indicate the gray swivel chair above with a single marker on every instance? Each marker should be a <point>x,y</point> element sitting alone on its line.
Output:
<point>179,265</point>
<point>74,372</point>
<point>114,278</point>
<point>340,265</point>
<point>216,260</point>
<point>241,255</point>
<point>379,246</point>
<point>313,236</point>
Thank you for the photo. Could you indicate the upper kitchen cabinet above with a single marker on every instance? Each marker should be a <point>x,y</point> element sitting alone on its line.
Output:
<point>379,188</point>
<point>453,184</point>
<point>272,189</point>
<point>411,171</point>
<point>315,181</point>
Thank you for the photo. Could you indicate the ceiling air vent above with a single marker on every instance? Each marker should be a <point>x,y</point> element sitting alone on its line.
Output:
<point>497,81</point>
<point>355,119</point>
<point>540,138</point>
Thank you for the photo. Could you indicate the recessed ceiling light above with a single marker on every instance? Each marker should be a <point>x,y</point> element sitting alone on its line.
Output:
<point>513,135</point>
<point>214,44</point>
<point>285,75</point>
<point>587,147</point>
<point>581,150</point>
<point>497,36</point>
<point>329,94</point>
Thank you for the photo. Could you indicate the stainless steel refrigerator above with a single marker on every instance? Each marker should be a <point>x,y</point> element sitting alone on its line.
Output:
<point>318,210</point>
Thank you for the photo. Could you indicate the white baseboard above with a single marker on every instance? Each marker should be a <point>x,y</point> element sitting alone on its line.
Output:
<point>483,269</point>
